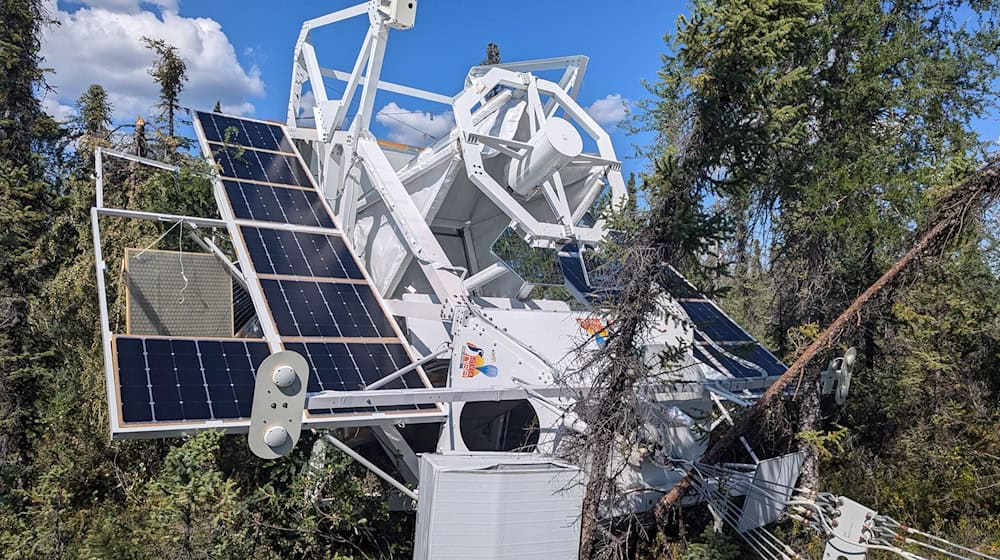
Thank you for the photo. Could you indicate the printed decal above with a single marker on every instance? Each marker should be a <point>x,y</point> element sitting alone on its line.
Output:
<point>595,329</point>
<point>474,362</point>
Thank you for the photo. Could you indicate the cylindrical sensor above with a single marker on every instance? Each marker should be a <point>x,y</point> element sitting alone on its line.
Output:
<point>555,144</point>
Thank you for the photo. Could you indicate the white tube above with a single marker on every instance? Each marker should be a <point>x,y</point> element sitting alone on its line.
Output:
<point>555,144</point>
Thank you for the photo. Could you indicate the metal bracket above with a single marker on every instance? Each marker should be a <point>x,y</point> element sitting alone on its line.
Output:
<point>852,525</point>
<point>279,398</point>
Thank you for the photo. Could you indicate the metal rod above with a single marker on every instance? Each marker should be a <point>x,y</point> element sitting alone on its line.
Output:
<point>749,449</point>
<point>389,397</point>
<point>139,159</point>
<point>485,276</point>
<point>370,466</point>
<point>99,175</point>
<point>401,372</point>
<point>389,86</point>
<point>102,299</point>
<point>949,543</point>
<point>729,396</point>
<point>206,222</point>
<point>211,247</point>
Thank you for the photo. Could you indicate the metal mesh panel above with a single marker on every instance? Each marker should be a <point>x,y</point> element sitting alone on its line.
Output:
<point>177,294</point>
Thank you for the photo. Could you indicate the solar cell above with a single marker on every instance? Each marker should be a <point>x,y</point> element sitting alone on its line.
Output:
<point>573,269</point>
<point>340,366</point>
<point>299,253</point>
<point>174,380</point>
<point>708,319</point>
<point>324,309</point>
<point>306,314</point>
<point>709,354</point>
<point>255,134</point>
<point>286,205</point>
<point>759,355</point>
<point>237,162</point>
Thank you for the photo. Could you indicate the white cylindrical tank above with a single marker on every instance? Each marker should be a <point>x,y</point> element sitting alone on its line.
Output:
<point>554,145</point>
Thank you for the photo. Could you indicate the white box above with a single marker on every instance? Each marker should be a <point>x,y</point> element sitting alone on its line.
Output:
<point>493,506</point>
<point>402,14</point>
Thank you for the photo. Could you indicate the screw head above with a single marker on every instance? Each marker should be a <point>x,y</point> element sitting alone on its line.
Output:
<point>284,377</point>
<point>276,436</point>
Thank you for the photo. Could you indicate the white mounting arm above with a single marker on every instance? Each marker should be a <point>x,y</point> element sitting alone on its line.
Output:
<point>99,167</point>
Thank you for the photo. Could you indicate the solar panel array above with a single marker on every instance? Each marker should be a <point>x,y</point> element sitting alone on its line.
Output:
<point>718,341</point>
<point>317,297</point>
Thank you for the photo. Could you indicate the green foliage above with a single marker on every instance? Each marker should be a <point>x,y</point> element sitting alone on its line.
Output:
<point>811,137</point>
<point>492,55</point>
<point>712,545</point>
<point>170,72</point>
<point>828,444</point>
<point>193,510</point>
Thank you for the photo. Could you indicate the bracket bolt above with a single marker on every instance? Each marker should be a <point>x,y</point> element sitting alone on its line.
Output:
<point>284,377</point>
<point>275,436</point>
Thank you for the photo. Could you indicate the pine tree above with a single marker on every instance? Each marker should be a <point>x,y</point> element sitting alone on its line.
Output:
<point>492,55</point>
<point>27,203</point>
<point>93,122</point>
<point>170,73</point>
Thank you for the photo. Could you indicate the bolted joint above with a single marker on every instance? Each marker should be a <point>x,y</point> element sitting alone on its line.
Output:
<point>284,377</point>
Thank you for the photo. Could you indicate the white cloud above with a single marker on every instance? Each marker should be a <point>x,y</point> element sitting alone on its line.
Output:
<point>415,128</point>
<point>610,110</point>
<point>57,110</point>
<point>128,6</point>
<point>102,43</point>
<point>306,104</point>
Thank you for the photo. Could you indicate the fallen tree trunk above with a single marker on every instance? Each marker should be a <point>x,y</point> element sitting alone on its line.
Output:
<point>969,199</point>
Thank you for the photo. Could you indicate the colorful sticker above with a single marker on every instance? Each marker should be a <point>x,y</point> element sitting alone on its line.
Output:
<point>594,328</point>
<point>474,362</point>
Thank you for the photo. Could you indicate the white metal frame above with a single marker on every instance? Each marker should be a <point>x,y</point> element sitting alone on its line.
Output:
<point>472,146</point>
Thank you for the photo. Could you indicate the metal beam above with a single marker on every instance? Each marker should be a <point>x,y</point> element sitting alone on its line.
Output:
<point>382,382</point>
<point>339,15</point>
<point>399,451</point>
<point>99,167</point>
<point>173,218</point>
<point>392,397</point>
<point>211,247</point>
<point>390,86</point>
<point>370,466</point>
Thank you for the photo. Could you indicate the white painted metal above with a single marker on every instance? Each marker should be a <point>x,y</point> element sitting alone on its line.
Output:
<point>279,398</point>
<point>423,222</point>
<point>497,506</point>
<point>99,167</point>
<point>850,532</point>
<point>553,145</point>
<point>371,466</point>
<point>771,487</point>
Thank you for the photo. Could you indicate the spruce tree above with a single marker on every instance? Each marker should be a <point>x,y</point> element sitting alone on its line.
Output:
<point>27,202</point>
<point>492,55</point>
<point>170,72</point>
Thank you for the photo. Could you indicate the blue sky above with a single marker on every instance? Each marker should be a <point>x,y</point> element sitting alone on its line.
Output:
<point>623,41</point>
<point>239,52</point>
